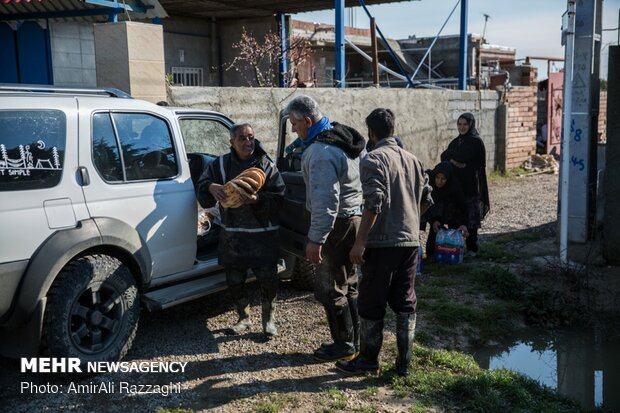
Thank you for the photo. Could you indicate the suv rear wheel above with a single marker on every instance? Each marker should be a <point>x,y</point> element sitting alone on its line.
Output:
<point>92,310</point>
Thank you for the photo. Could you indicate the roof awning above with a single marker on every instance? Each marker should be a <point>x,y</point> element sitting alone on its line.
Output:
<point>79,10</point>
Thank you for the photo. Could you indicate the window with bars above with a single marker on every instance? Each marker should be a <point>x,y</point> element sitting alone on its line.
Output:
<point>187,76</point>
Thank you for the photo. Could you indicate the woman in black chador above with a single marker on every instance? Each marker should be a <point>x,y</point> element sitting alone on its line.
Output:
<point>467,154</point>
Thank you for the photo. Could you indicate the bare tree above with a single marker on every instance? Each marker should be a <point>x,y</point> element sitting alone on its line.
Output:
<point>263,56</point>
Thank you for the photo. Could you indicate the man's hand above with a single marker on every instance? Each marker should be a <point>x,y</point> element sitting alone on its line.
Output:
<point>217,191</point>
<point>458,164</point>
<point>313,252</point>
<point>357,254</point>
<point>464,231</point>
<point>247,198</point>
<point>436,226</point>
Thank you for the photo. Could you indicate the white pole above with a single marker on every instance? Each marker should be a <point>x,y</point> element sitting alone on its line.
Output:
<point>566,129</point>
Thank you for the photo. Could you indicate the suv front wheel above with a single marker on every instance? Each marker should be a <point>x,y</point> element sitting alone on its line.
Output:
<point>92,310</point>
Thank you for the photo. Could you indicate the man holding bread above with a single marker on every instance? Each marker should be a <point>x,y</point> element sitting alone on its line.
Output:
<point>249,189</point>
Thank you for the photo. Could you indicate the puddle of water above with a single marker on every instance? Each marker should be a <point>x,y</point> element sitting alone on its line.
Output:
<point>581,364</point>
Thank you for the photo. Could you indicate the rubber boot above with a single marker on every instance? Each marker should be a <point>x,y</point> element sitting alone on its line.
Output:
<point>242,303</point>
<point>342,348</point>
<point>355,318</point>
<point>371,341</point>
<point>268,311</point>
<point>405,333</point>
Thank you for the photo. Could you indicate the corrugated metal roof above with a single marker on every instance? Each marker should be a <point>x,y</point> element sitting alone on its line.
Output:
<point>223,9</point>
<point>58,7</point>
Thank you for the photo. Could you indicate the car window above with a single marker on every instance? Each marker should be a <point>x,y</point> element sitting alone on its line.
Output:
<point>146,146</point>
<point>32,147</point>
<point>205,136</point>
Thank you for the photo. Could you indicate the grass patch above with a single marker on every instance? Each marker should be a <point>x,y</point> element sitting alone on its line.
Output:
<point>498,175</point>
<point>176,409</point>
<point>275,403</point>
<point>430,292</point>
<point>336,400</point>
<point>496,252</point>
<point>452,381</point>
<point>499,282</point>
<point>369,393</point>
<point>519,237</point>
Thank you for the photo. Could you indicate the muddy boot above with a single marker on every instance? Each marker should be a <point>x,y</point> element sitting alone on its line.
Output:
<point>341,326</point>
<point>368,359</point>
<point>405,332</point>
<point>243,310</point>
<point>355,318</point>
<point>268,313</point>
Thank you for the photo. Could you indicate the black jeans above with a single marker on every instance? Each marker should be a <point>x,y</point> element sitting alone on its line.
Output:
<point>388,277</point>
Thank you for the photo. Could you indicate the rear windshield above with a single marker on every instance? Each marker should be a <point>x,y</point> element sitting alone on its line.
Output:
<point>32,147</point>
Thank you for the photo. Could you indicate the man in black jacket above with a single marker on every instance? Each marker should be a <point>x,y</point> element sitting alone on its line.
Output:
<point>249,237</point>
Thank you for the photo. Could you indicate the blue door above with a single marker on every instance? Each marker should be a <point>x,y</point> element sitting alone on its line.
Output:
<point>33,55</point>
<point>8,55</point>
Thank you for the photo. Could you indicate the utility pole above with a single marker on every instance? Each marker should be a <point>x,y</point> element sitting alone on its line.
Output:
<point>486,18</point>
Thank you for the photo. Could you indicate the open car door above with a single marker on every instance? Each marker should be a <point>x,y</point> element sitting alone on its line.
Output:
<point>294,219</point>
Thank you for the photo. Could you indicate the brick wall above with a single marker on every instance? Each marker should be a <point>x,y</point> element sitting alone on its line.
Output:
<point>521,104</point>
<point>602,117</point>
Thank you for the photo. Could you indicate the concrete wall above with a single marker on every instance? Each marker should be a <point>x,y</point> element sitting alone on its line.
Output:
<point>73,54</point>
<point>130,56</point>
<point>229,32</point>
<point>197,40</point>
<point>425,119</point>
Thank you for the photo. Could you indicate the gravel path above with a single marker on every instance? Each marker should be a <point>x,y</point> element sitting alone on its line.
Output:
<point>230,374</point>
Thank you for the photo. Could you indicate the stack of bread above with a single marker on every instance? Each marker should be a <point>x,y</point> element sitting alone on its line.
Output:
<point>246,183</point>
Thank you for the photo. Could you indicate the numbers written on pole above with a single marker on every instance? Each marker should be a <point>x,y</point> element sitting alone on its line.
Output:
<point>578,163</point>
<point>575,132</point>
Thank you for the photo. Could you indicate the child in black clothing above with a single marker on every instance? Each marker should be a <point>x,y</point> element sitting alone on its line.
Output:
<point>449,207</point>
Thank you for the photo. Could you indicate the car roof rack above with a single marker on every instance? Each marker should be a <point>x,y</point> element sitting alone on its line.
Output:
<point>108,91</point>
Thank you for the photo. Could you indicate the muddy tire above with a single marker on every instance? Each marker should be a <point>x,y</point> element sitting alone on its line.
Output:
<point>303,275</point>
<point>92,310</point>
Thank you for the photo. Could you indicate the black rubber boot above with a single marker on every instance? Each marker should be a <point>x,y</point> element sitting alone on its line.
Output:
<point>268,298</point>
<point>342,325</point>
<point>355,318</point>
<point>371,341</point>
<point>242,304</point>
<point>405,333</point>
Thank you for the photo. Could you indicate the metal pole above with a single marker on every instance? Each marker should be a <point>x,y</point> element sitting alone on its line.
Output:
<point>283,66</point>
<point>375,52</point>
<point>463,47</point>
<point>566,130</point>
<point>340,72</point>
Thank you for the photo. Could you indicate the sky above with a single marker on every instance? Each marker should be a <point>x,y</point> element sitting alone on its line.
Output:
<point>532,27</point>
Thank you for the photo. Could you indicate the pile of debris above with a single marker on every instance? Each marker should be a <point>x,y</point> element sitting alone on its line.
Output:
<point>541,164</point>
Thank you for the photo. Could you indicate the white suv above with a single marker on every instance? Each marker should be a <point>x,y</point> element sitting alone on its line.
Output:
<point>98,215</point>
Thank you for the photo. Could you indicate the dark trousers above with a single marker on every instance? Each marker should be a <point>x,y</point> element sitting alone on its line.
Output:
<point>388,277</point>
<point>335,282</point>
<point>236,276</point>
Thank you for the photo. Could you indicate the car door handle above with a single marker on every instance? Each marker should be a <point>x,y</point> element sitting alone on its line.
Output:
<point>84,177</point>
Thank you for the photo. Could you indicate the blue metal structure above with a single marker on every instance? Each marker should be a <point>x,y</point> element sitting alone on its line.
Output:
<point>283,64</point>
<point>109,8</point>
<point>387,45</point>
<point>463,47</point>
<point>340,62</point>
